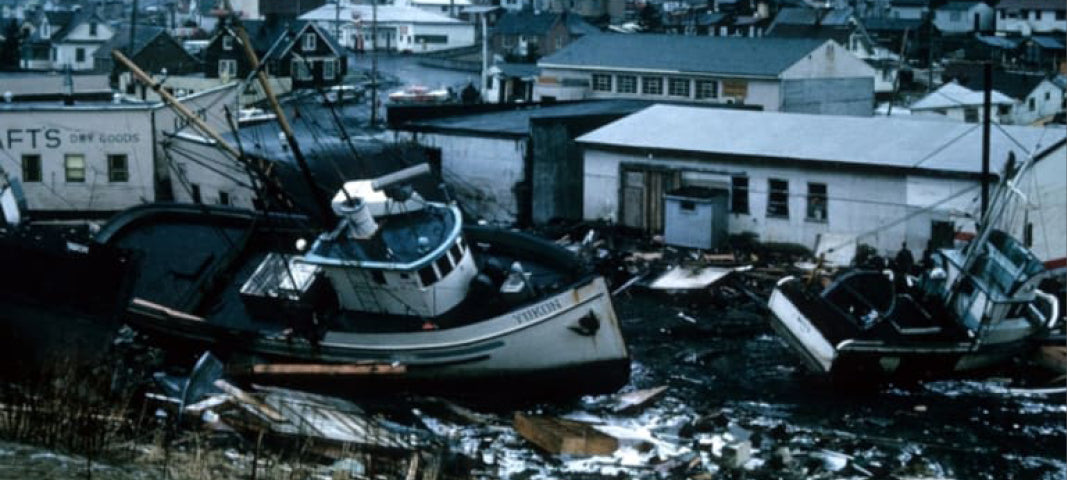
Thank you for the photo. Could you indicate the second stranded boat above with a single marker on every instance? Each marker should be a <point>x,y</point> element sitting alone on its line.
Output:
<point>398,293</point>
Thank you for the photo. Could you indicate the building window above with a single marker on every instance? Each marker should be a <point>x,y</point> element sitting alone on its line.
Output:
<point>739,195</point>
<point>224,198</point>
<point>92,29</point>
<point>329,69</point>
<point>817,202</point>
<point>301,70</point>
<point>1061,14</point>
<point>652,85</point>
<point>601,82</point>
<point>1003,109</point>
<point>707,89</point>
<point>74,164</point>
<point>118,168</point>
<point>678,87</point>
<point>309,42</point>
<point>1031,104</point>
<point>1037,14</point>
<point>227,68</point>
<point>31,168</point>
<point>627,84</point>
<point>970,114</point>
<point>778,198</point>
<point>79,55</point>
<point>194,193</point>
<point>227,42</point>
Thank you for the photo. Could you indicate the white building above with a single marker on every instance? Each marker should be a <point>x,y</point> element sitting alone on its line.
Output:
<point>1044,101</point>
<point>65,39</point>
<point>777,74</point>
<point>793,178</point>
<point>401,28</point>
<point>1027,17</point>
<point>964,17</point>
<point>451,8</point>
<point>95,157</point>
<point>965,105</point>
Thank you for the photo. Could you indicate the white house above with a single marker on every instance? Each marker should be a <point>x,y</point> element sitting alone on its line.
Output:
<point>964,17</point>
<point>777,74</point>
<point>908,9</point>
<point>1044,101</point>
<point>95,157</point>
<point>793,177</point>
<point>70,38</point>
<point>963,104</point>
<point>451,8</point>
<point>1027,17</point>
<point>401,28</point>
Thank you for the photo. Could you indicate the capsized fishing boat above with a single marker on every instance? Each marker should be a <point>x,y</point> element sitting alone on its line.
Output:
<point>976,307</point>
<point>398,293</point>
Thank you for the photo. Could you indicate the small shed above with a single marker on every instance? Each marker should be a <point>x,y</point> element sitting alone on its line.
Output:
<point>696,217</point>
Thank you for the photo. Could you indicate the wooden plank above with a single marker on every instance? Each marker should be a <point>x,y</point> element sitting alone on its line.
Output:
<point>327,369</point>
<point>637,399</point>
<point>243,397</point>
<point>566,437</point>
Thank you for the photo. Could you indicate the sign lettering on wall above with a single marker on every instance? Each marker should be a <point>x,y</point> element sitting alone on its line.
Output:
<point>34,138</point>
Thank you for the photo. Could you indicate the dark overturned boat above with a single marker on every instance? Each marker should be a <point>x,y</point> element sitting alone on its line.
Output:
<point>976,307</point>
<point>399,293</point>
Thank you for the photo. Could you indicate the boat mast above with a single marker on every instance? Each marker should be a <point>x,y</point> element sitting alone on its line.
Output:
<point>260,166</point>
<point>321,204</point>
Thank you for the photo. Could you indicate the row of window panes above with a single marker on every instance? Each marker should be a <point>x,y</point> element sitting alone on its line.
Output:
<point>676,87</point>
<point>445,263</point>
<point>778,198</point>
<point>118,168</point>
<point>1025,14</point>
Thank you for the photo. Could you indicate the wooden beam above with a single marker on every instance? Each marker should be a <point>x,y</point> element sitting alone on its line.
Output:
<point>558,436</point>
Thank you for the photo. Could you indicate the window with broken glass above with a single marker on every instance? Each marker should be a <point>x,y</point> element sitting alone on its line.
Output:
<point>777,198</point>
<point>817,202</point>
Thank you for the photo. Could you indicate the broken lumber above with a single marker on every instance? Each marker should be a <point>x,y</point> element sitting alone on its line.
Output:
<point>564,437</point>
<point>637,399</point>
<point>250,401</point>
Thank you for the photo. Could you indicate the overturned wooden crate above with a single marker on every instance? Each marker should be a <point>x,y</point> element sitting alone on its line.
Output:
<point>564,437</point>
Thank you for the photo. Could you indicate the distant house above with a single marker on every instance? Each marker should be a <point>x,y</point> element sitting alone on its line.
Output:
<point>964,17</point>
<point>909,9</point>
<point>772,73</point>
<point>1044,101</point>
<point>225,58</point>
<point>793,178</point>
<point>400,28</point>
<point>998,49</point>
<point>510,83</point>
<point>312,58</point>
<point>153,50</point>
<point>842,26</point>
<point>528,34</point>
<point>1044,52</point>
<point>65,39</point>
<point>963,104</point>
<point>12,9</point>
<point>1027,17</point>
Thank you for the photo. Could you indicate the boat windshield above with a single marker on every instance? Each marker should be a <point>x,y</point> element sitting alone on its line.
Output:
<point>864,295</point>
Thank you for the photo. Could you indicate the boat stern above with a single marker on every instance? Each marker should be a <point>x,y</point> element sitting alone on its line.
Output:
<point>797,330</point>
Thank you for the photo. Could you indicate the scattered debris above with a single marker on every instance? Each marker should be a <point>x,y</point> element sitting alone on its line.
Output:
<point>630,401</point>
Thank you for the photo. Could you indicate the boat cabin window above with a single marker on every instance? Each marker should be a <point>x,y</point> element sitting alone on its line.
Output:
<point>427,275</point>
<point>443,265</point>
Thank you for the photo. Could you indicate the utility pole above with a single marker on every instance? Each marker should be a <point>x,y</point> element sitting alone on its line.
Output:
<point>337,20</point>
<point>133,26</point>
<point>987,107</point>
<point>374,62</point>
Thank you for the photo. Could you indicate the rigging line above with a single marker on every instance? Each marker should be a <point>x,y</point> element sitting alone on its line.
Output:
<point>241,150</point>
<point>945,145</point>
<point>336,118</point>
<point>907,217</point>
<point>184,181</point>
<point>1026,151</point>
<point>194,159</point>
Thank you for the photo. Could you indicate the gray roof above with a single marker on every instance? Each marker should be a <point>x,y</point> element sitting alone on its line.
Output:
<point>526,22</point>
<point>891,24</point>
<point>959,6</point>
<point>1032,5</point>
<point>999,42</point>
<point>866,141</point>
<point>811,16</point>
<point>764,57</point>
<point>517,122</point>
<point>143,34</point>
<point>524,70</point>
<point>1049,41</point>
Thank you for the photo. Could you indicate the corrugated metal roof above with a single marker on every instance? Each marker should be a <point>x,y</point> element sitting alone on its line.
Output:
<point>953,94</point>
<point>866,141</point>
<point>764,57</point>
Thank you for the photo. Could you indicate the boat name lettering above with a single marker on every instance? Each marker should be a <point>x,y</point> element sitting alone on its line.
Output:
<point>537,311</point>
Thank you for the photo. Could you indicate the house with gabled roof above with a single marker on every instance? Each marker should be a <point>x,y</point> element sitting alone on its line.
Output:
<point>1027,17</point>
<point>963,104</point>
<point>964,17</point>
<point>778,74</point>
<point>62,39</point>
<point>529,34</point>
<point>312,58</point>
<point>153,50</point>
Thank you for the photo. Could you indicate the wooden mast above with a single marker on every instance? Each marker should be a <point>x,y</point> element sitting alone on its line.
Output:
<point>260,166</point>
<point>321,203</point>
